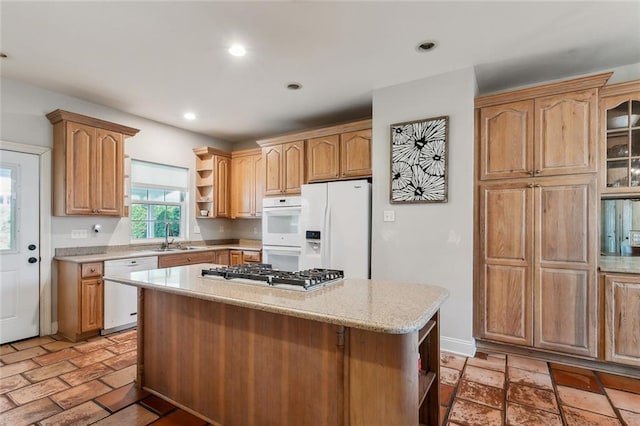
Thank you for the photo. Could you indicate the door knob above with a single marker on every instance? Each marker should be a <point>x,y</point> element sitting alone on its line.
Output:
<point>31,247</point>
<point>33,260</point>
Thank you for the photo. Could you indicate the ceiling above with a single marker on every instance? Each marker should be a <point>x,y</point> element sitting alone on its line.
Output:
<point>159,60</point>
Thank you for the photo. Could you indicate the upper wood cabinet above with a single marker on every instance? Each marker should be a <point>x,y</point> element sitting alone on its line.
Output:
<point>88,165</point>
<point>343,156</point>
<point>622,318</point>
<point>330,153</point>
<point>247,186</point>
<point>542,131</point>
<point>283,168</point>
<point>212,182</point>
<point>620,135</point>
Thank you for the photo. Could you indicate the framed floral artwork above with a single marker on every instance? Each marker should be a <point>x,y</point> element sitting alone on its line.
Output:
<point>419,161</point>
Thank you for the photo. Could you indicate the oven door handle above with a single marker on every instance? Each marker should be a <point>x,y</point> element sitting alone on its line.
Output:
<point>282,249</point>
<point>274,211</point>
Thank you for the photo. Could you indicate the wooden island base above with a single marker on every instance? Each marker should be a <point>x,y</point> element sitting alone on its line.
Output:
<point>234,365</point>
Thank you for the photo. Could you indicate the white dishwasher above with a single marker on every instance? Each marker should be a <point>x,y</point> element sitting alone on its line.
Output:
<point>121,300</point>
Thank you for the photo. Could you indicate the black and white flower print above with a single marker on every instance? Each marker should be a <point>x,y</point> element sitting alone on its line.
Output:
<point>418,166</point>
<point>401,174</point>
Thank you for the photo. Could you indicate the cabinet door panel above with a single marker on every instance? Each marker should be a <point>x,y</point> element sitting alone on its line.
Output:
<point>622,316</point>
<point>91,299</point>
<point>563,212</point>
<point>566,133</point>
<point>323,158</point>
<point>293,166</point>
<point>222,186</point>
<point>258,173</point>
<point>79,171</point>
<point>273,174</point>
<point>507,313</point>
<point>506,140</point>
<point>505,297</point>
<point>355,153</point>
<point>242,169</point>
<point>565,265</point>
<point>109,171</point>
<point>564,310</point>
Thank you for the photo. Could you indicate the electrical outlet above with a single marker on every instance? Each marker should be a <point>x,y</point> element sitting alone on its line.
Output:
<point>221,228</point>
<point>389,216</point>
<point>255,230</point>
<point>196,229</point>
<point>78,233</point>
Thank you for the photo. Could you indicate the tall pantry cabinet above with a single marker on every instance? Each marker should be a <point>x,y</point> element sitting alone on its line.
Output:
<point>536,216</point>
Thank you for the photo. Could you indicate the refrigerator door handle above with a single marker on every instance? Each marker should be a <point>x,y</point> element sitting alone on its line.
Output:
<point>326,257</point>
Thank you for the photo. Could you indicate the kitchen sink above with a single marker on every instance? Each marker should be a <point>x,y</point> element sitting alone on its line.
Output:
<point>175,249</point>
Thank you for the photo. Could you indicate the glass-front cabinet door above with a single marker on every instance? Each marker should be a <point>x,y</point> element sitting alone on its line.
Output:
<point>620,121</point>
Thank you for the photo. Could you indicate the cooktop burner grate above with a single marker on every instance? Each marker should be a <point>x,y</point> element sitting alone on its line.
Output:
<point>264,273</point>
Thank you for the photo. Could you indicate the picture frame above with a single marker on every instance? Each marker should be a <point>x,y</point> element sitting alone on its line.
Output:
<point>419,161</point>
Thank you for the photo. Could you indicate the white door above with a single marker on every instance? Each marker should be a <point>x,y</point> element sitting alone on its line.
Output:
<point>19,246</point>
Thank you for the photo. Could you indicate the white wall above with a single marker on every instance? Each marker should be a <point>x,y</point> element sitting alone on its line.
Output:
<point>429,243</point>
<point>22,115</point>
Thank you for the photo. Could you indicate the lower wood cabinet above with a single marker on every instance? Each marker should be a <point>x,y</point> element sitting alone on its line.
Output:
<point>622,318</point>
<point>238,257</point>
<point>537,264</point>
<point>221,257</point>
<point>235,257</point>
<point>189,258</point>
<point>80,299</point>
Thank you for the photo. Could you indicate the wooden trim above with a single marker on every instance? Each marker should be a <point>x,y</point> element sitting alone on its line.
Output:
<point>620,88</point>
<point>246,152</point>
<point>61,115</point>
<point>209,150</point>
<point>589,82</point>
<point>550,356</point>
<point>316,133</point>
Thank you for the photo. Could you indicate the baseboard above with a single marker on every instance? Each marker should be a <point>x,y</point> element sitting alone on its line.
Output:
<point>458,346</point>
<point>54,327</point>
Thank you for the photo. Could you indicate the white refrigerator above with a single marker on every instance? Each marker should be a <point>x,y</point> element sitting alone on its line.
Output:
<point>335,223</point>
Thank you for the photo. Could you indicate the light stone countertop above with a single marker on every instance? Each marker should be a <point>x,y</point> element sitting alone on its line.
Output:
<point>381,306</point>
<point>621,264</point>
<point>127,254</point>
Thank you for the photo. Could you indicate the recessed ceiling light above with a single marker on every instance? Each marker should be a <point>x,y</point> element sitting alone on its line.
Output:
<point>189,116</point>
<point>237,50</point>
<point>294,86</point>
<point>425,46</point>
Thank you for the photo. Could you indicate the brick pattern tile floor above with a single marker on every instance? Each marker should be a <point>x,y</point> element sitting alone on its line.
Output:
<point>49,381</point>
<point>493,389</point>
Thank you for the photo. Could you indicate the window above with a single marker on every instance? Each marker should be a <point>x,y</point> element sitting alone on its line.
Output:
<point>7,207</point>
<point>158,200</point>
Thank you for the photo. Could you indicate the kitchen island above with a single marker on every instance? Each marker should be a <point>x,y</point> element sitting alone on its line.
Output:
<point>356,352</point>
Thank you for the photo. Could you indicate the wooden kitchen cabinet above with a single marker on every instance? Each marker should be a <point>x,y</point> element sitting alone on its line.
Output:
<point>80,299</point>
<point>339,156</point>
<point>536,210</point>
<point>235,257</point>
<point>283,168</point>
<point>88,165</point>
<point>547,130</point>
<point>212,182</point>
<point>188,258</point>
<point>620,135</point>
<point>251,256</point>
<point>221,257</point>
<point>622,319</point>
<point>537,266</point>
<point>247,187</point>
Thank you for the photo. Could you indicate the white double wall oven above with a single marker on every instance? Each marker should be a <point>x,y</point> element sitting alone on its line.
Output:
<point>281,237</point>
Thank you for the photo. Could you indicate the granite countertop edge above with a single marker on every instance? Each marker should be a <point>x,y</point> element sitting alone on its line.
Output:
<point>395,325</point>
<point>619,264</point>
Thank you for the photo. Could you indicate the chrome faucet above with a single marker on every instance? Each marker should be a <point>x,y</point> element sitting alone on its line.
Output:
<point>168,232</point>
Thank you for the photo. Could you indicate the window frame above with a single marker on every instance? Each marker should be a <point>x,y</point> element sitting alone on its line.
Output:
<point>183,205</point>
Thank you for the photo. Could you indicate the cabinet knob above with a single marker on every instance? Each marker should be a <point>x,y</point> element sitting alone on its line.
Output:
<point>92,269</point>
<point>531,173</point>
<point>537,172</point>
<point>530,185</point>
